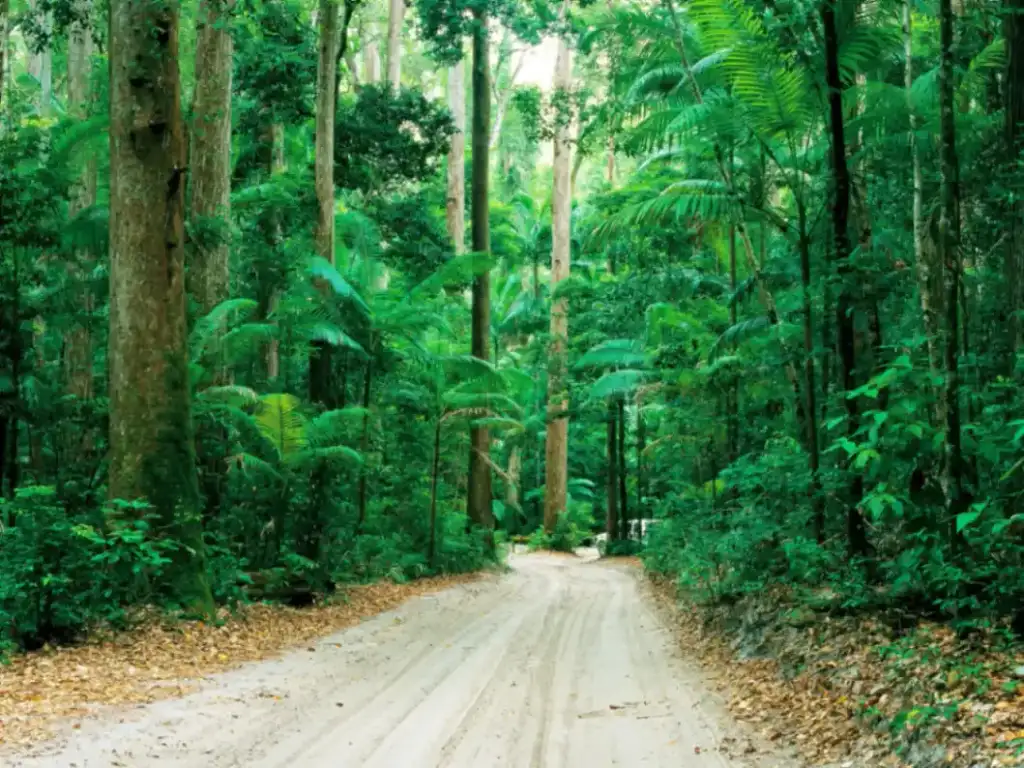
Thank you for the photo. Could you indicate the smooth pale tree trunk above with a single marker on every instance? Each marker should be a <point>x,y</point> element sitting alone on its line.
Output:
<point>956,497</point>
<point>557,443</point>
<point>396,17</point>
<point>478,495</point>
<point>455,202</point>
<point>320,359</point>
<point>210,156</point>
<point>79,350</point>
<point>855,528</point>
<point>152,451</point>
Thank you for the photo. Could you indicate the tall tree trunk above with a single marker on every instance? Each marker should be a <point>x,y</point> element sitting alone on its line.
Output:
<point>924,259</point>
<point>611,526</point>
<point>396,17</point>
<point>152,450</point>
<point>210,161</point>
<point>1013,32</point>
<point>320,357</point>
<point>855,529</point>
<point>956,496</point>
<point>478,502</point>
<point>455,204</point>
<point>557,443</point>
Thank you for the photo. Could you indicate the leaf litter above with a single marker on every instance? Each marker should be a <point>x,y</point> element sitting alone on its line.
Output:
<point>854,692</point>
<point>161,657</point>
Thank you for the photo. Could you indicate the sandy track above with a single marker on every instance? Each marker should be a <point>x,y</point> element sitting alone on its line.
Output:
<point>560,664</point>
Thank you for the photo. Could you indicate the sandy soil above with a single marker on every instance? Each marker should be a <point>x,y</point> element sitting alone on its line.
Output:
<point>559,664</point>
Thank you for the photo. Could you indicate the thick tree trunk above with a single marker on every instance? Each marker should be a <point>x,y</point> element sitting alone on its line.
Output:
<point>1013,31</point>
<point>478,502</point>
<point>956,496</point>
<point>845,306</point>
<point>210,156</point>
<point>320,357</point>
<point>396,18</point>
<point>455,204</point>
<point>611,526</point>
<point>557,443</point>
<point>152,451</point>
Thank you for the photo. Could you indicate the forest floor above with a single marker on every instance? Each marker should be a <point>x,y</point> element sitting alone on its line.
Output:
<point>851,691</point>
<point>563,662</point>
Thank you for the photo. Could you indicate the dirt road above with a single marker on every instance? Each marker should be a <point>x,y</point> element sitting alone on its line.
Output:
<point>560,664</point>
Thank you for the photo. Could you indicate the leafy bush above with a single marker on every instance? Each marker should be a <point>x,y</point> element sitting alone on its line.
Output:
<point>60,573</point>
<point>570,530</point>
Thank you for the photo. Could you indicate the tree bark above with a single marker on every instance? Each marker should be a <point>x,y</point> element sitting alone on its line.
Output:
<point>396,17</point>
<point>320,357</point>
<point>210,160</point>
<point>845,306</point>
<point>478,502</point>
<point>956,498</point>
<point>455,203</point>
<point>557,443</point>
<point>152,450</point>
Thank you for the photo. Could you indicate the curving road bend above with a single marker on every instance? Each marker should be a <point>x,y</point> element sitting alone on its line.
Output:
<point>559,664</point>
